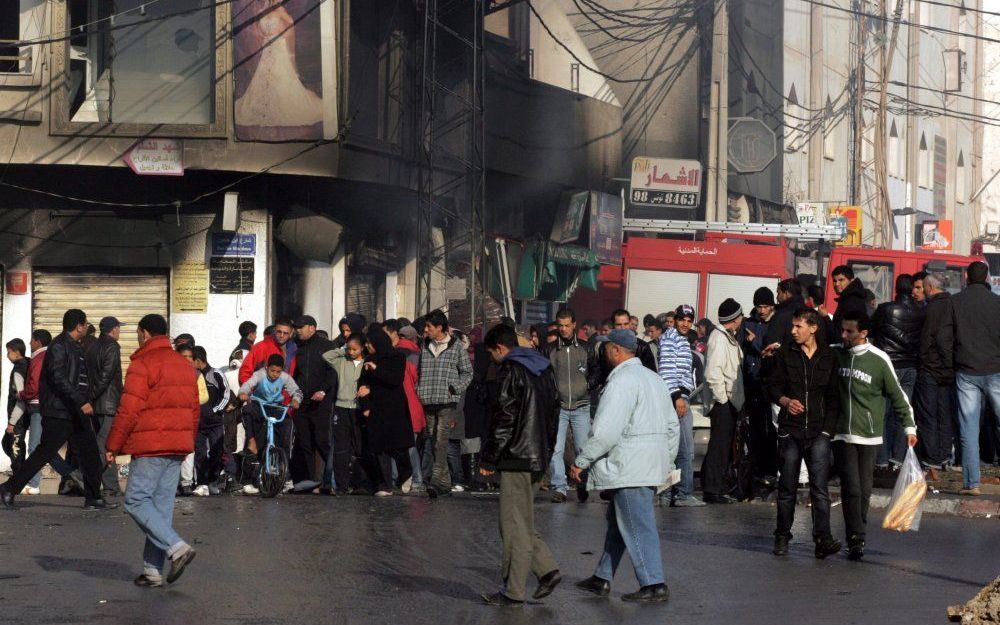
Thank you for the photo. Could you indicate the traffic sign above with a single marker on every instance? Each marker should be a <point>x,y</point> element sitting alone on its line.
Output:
<point>752,145</point>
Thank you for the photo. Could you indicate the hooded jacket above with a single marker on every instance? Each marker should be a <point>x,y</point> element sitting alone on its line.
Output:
<point>867,378</point>
<point>525,416</point>
<point>353,321</point>
<point>348,374</point>
<point>159,411</point>
<point>30,392</point>
<point>411,353</point>
<point>387,424</point>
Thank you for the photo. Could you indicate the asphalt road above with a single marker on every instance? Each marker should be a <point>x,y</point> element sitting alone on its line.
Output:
<point>307,559</point>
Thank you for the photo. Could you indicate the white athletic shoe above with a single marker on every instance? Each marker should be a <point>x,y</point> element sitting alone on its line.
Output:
<point>407,486</point>
<point>250,489</point>
<point>30,490</point>
<point>458,488</point>
<point>384,493</point>
<point>201,491</point>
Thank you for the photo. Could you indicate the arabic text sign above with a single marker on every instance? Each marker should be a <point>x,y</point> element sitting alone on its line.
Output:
<point>665,182</point>
<point>233,244</point>
<point>697,251</point>
<point>156,157</point>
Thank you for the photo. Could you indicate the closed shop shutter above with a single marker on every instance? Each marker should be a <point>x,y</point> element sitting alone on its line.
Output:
<point>125,295</point>
<point>654,292</point>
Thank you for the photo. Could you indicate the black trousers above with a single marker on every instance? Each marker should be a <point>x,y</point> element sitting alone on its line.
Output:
<point>102,426</point>
<point>15,445</point>
<point>404,469</point>
<point>345,445</point>
<point>764,453</point>
<point>715,466</point>
<point>209,447</point>
<point>79,433</point>
<point>934,409</point>
<point>312,434</point>
<point>856,464</point>
<point>282,432</point>
<point>816,453</point>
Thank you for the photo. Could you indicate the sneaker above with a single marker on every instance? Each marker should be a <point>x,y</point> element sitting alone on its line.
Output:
<point>30,490</point>
<point>971,492</point>
<point>780,546</point>
<point>148,581</point>
<point>178,564</point>
<point>250,489</point>
<point>688,502</point>
<point>827,546</point>
<point>214,490</point>
<point>289,487</point>
<point>458,488</point>
<point>384,493</point>
<point>407,486</point>
<point>201,491</point>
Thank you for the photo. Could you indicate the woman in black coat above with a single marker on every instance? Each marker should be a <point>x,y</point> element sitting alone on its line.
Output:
<point>385,411</point>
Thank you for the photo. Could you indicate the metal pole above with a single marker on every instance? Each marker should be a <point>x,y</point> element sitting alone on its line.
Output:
<point>718,123</point>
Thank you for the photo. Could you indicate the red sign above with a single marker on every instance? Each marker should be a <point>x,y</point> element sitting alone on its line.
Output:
<point>16,283</point>
<point>936,236</point>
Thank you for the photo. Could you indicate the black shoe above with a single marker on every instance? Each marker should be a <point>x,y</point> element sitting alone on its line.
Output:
<point>501,600</point>
<point>558,497</point>
<point>582,494</point>
<point>144,581</point>
<point>98,504</point>
<point>6,499</point>
<point>178,564</point>
<point>718,499</point>
<point>856,550</point>
<point>596,585</point>
<point>185,491</point>
<point>547,584</point>
<point>657,593</point>
<point>781,546</point>
<point>827,546</point>
<point>77,478</point>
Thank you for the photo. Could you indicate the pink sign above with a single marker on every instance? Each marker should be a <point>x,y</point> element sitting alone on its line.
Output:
<point>156,157</point>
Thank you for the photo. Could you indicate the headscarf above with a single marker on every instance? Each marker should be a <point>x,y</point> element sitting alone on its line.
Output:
<point>380,341</point>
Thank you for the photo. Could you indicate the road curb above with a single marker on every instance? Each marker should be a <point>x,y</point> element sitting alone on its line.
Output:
<point>941,503</point>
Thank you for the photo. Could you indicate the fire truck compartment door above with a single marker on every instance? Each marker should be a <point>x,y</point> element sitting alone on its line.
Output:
<point>740,288</point>
<point>655,292</point>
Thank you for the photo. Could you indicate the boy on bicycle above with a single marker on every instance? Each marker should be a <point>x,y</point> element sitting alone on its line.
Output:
<point>272,385</point>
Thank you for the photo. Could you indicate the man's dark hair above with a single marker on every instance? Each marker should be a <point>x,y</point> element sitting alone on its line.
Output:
<point>198,353</point>
<point>156,325</point>
<point>507,321</point>
<point>419,324</point>
<point>815,293</point>
<point>437,318</point>
<point>392,325</point>
<point>17,345</point>
<point>791,286</point>
<point>590,322</point>
<point>977,273</point>
<point>276,360</point>
<point>501,335</point>
<point>870,296</point>
<point>621,312</point>
<point>269,330</point>
<point>283,321</point>
<point>247,328</point>
<point>904,284</point>
<point>185,348</point>
<point>808,315</point>
<point>843,270</point>
<point>43,336</point>
<point>403,322</point>
<point>920,275</point>
<point>860,317</point>
<point>608,323</point>
<point>566,313</point>
<point>654,323</point>
<point>72,318</point>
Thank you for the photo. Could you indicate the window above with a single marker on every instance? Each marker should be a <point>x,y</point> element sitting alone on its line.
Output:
<point>960,191</point>
<point>924,164</point>
<point>879,277</point>
<point>894,150</point>
<point>10,31</point>
<point>139,68</point>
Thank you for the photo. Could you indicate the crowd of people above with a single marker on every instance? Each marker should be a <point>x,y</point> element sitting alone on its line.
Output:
<point>403,407</point>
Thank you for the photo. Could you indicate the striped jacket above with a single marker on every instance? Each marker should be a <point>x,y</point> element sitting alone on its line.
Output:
<point>443,378</point>
<point>676,365</point>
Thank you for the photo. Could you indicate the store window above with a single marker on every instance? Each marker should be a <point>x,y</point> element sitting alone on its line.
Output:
<point>879,277</point>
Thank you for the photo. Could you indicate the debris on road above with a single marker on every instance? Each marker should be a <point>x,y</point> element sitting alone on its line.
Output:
<point>984,608</point>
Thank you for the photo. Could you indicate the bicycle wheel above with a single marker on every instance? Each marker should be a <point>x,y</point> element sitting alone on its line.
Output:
<point>273,481</point>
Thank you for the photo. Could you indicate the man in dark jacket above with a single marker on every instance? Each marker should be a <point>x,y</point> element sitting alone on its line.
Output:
<point>790,301</point>
<point>621,320</point>
<point>209,441</point>
<point>976,347</point>
<point>934,400</point>
<point>248,336</point>
<point>803,381</point>
<point>318,382</point>
<point>519,446</point>
<point>64,398</point>
<point>896,330</point>
<point>851,295</point>
<point>104,371</point>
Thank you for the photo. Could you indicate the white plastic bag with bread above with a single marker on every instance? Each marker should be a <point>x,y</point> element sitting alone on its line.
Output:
<point>908,495</point>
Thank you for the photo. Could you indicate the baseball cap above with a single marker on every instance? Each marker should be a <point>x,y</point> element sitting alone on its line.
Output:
<point>304,320</point>
<point>624,338</point>
<point>685,310</point>
<point>108,324</point>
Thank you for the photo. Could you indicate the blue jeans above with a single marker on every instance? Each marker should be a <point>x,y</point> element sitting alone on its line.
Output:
<point>893,448</point>
<point>579,418</point>
<point>149,500</point>
<point>632,526</point>
<point>685,457</point>
<point>60,466</point>
<point>971,389</point>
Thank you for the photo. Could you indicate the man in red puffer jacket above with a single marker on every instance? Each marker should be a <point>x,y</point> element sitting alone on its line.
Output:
<point>156,424</point>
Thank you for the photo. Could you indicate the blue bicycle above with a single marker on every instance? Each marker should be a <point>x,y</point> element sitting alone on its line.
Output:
<point>273,459</point>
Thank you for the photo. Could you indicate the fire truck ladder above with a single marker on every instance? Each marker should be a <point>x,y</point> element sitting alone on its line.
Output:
<point>834,232</point>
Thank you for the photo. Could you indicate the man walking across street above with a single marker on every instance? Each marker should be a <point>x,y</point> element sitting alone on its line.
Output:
<point>65,406</point>
<point>724,377</point>
<point>104,370</point>
<point>866,380</point>
<point>445,373</point>
<point>677,370</point>
<point>572,366</point>
<point>156,424</point>
<point>975,336</point>
<point>934,401</point>
<point>803,381</point>
<point>631,452</point>
<point>522,431</point>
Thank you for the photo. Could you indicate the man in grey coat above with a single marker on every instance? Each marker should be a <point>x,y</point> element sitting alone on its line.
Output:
<point>631,454</point>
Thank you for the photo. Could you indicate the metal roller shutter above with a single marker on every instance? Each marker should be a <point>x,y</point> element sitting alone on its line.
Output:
<point>654,292</point>
<point>129,296</point>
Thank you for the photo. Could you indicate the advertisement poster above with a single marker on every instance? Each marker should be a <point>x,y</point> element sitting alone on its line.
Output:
<point>606,228</point>
<point>569,218</point>
<point>936,236</point>
<point>278,84</point>
<point>189,287</point>
<point>850,216</point>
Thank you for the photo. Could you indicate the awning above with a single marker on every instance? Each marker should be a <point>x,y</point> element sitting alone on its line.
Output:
<point>551,272</point>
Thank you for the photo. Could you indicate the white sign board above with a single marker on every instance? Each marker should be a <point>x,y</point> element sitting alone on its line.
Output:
<point>811,213</point>
<point>665,182</point>
<point>156,157</point>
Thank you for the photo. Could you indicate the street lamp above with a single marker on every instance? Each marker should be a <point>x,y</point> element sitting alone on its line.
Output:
<point>907,213</point>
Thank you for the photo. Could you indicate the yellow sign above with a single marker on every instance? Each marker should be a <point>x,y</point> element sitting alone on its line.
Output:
<point>189,287</point>
<point>850,216</point>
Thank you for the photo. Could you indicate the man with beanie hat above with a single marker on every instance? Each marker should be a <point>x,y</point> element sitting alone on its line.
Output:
<point>763,303</point>
<point>724,377</point>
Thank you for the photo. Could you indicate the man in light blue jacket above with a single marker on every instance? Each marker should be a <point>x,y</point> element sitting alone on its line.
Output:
<point>631,453</point>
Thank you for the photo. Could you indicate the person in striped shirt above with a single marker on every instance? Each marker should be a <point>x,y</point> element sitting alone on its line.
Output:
<point>676,367</point>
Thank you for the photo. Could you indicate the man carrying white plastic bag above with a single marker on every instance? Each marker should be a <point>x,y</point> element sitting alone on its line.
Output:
<point>911,486</point>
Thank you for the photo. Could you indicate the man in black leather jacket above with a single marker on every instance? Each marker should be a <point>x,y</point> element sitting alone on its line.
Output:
<point>104,372</point>
<point>64,400</point>
<point>519,446</point>
<point>896,329</point>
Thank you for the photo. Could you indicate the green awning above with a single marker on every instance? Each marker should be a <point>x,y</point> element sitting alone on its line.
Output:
<point>551,272</point>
